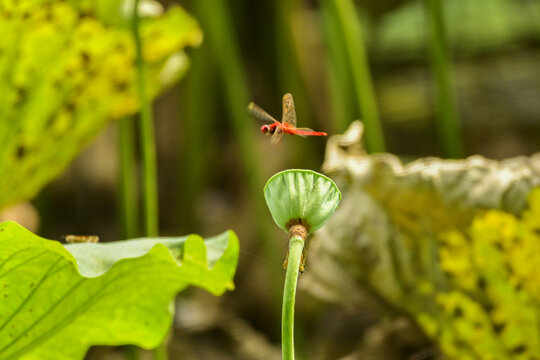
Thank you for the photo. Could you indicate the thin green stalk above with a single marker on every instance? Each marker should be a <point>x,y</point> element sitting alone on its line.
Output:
<point>346,15</point>
<point>197,119</point>
<point>127,178</point>
<point>148,146</point>
<point>534,12</point>
<point>291,80</point>
<point>447,116</point>
<point>217,25</point>
<point>339,79</point>
<point>132,352</point>
<point>127,197</point>
<point>161,352</point>
<point>296,246</point>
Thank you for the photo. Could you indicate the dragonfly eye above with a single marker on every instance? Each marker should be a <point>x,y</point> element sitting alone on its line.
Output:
<point>265,129</point>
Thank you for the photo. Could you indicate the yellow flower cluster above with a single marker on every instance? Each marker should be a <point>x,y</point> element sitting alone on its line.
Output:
<point>491,307</point>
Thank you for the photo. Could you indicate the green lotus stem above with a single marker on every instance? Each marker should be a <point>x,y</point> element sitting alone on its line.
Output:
<point>300,201</point>
<point>447,115</point>
<point>296,247</point>
<point>150,198</point>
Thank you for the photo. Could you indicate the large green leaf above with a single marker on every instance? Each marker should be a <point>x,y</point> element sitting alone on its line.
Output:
<point>56,301</point>
<point>64,72</point>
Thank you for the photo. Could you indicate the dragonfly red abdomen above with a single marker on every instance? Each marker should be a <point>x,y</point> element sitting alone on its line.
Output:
<point>303,132</point>
<point>310,133</point>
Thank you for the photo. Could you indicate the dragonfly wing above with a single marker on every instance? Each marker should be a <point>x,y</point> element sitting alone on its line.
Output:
<point>289,114</point>
<point>303,132</point>
<point>304,129</point>
<point>256,111</point>
<point>276,138</point>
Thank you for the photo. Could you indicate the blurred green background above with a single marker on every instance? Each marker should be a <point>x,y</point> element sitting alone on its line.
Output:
<point>428,78</point>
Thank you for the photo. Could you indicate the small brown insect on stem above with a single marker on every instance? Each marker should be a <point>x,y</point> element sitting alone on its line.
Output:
<point>72,239</point>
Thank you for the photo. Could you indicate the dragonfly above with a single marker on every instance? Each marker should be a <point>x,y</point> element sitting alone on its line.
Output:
<point>287,124</point>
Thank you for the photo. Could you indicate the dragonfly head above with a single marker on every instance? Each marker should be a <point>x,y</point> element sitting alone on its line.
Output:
<point>265,129</point>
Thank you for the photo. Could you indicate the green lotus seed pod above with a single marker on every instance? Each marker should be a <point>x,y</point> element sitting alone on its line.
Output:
<point>301,197</point>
